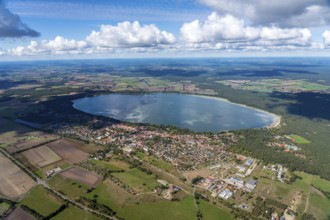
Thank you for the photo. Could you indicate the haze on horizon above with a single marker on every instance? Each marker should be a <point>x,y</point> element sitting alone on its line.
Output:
<point>36,29</point>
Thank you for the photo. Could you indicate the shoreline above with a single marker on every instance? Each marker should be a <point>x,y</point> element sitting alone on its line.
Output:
<point>276,120</point>
<point>276,123</point>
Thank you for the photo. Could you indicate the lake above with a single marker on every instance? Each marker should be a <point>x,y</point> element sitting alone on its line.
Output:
<point>197,113</point>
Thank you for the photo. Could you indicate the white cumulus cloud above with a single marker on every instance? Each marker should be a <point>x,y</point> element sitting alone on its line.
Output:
<point>216,28</point>
<point>292,13</point>
<point>59,45</point>
<point>326,38</point>
<point>228,29</point>
<point>127,34</point>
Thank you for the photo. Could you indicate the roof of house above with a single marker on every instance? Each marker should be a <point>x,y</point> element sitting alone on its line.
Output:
<point>252,182</point>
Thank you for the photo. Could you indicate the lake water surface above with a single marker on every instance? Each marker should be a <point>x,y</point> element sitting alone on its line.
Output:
<point>197,113</point>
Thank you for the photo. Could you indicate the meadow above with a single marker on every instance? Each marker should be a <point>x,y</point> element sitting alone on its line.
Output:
<point>41,201</point>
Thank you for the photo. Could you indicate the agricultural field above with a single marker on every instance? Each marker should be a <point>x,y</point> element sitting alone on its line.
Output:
<point>16,137</point>
<point>68,152</point>
<point>70,188</point>
<point>277,85</point>
<point>13,181</point>
<point>40,172</point>
<point>4,207</point>
<point>41,156</point>
<point>138,180</point>
<point>41,201</point>
<point>83,176</point>
<point>110,194</point>
<point>72,212</point>
<point>20,214</point>
<point>142,206</point>
<point>87,148</point>
<point>211,212</point>
<point>144,84</point>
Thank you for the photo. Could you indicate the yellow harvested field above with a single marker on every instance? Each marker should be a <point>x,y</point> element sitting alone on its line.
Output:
<point>41,156</point>
<point>68,152</point>
<point>13,181</point>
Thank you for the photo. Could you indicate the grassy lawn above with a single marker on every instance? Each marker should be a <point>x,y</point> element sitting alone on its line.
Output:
<point>71,213</point>
<point>211,212</point>
<point>138,179</point>
<point>300,140</point>
<point>40,201</point>
<point>68,187</point>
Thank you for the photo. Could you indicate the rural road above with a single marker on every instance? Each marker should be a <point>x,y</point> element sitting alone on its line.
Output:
<point>44,183</point>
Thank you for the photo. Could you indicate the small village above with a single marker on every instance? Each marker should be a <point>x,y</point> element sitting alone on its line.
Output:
<point>187,152</point>
<point>203,159</point>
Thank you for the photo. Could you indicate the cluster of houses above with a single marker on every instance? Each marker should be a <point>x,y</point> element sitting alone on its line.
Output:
<point>285,142</point>
<point>279,171</point>
<point>185,151</point>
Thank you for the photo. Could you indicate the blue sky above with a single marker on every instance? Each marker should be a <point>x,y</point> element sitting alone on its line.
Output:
<point>34,29</point>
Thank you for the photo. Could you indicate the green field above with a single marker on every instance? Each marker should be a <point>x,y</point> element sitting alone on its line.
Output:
<point>138,180</point>
<point>148,206</point>
<point>109,194</point>
<point>166,166</point>
<point>68,187</point>
<point>322,184</point>
<point>3,207</point>
<point>211,212</point>
<point>319,206</point>
<point>299,140</point>
<point>71,213</point>
<point>106,165</point>
<point>41,201</point>
<point>278,85</point>
<point>183,210</point>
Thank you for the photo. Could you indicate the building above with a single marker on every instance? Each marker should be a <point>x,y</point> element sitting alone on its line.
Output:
<point>251,184</point>
<point>249,162</point>
<point>235,181</point>
<point>241,168</point>
<point>225,194</point>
